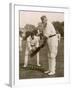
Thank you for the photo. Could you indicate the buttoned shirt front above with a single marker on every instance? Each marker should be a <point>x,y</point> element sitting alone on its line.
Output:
<point>49,30</point>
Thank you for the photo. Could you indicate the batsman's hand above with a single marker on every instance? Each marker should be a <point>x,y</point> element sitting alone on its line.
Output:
<point>32,50</point>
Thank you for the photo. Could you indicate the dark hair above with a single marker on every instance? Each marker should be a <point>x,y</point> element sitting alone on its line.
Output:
<point>32,33</point>
<point>42,17</point>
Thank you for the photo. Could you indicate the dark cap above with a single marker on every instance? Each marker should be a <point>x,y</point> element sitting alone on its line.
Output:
<point>42,17</point>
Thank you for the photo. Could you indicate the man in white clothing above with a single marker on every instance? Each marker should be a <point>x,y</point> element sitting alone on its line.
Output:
<point>52,41</point>
<point>31,45</point>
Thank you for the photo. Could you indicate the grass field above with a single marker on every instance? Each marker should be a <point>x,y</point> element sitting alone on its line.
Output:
<point>32,71</point>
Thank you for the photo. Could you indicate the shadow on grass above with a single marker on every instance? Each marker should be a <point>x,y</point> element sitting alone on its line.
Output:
<point>32,67</point>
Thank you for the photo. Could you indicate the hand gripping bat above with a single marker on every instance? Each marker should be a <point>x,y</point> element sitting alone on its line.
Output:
<point>38,48</point>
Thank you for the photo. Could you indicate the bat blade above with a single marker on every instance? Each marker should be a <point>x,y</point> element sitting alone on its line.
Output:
<point>37,50</point>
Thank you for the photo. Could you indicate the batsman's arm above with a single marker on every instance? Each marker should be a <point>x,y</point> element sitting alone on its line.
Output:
<point>38,48</point>
<point>27,34</point>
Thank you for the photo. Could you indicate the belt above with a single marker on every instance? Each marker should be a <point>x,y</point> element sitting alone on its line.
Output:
<point>52,35</point>
<point>32,45</point>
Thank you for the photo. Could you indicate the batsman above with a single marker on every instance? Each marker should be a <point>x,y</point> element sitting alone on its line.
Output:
<point>31,45</point>
<point>50,37</point>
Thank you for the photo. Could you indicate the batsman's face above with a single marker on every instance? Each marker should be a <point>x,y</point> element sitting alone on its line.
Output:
<point>44,20</point>
<point>32,36</point>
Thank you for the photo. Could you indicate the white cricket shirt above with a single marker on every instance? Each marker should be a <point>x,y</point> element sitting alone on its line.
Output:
<point>49,30</point>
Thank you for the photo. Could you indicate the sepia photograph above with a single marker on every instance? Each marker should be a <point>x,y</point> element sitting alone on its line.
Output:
<point>41,44</point>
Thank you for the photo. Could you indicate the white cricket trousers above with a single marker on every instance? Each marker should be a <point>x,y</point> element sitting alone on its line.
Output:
<point>52,52</point>
<point>27,55</point>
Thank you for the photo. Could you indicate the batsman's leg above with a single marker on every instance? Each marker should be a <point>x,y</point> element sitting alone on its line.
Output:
<point>53,47</point>
<point>52,65</point>
<point>38,63</point>
<point>26,57</point>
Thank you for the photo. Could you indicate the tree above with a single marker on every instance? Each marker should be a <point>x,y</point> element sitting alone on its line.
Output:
<point>29,27</point>
<point>59,26</point>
